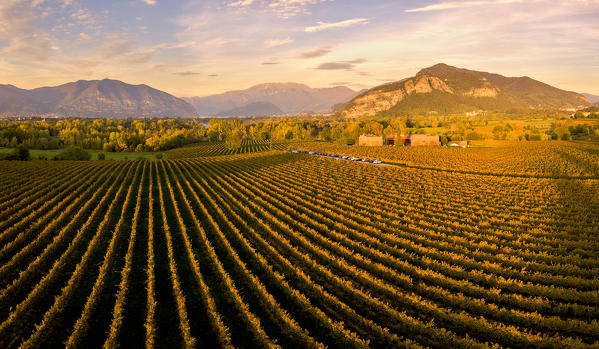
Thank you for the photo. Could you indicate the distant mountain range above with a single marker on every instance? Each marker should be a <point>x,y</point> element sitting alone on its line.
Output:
<point>95,98</point>
<point>252,109</point>
<point>289,98</point>
<point>591,98</point>
<point>444,89</point>
<point>440,89</point>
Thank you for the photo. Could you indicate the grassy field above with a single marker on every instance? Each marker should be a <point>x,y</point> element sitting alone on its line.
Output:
<point>264,248</point>
<point>49,154</point>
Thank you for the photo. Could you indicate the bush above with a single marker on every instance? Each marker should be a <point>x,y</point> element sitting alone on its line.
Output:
<point>101,156</point>
<point>73,153</point>
<point>158,156</point>
<point>20,153</point>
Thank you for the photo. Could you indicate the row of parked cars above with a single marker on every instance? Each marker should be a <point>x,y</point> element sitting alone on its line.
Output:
<point>335,156</point>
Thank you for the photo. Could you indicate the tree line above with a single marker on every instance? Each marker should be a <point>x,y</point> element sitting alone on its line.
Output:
<point>143,135</point>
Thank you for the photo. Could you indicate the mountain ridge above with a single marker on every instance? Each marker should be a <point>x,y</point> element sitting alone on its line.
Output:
<point>92,98</point>
<point>591,98</point>
<point>253,109</point>
<point>290,98</point>
<point>446,89</point>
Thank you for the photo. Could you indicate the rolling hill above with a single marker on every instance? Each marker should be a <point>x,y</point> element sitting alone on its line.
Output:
<point>92,98</point>
<point>290,98</point>
<point>443,89</point>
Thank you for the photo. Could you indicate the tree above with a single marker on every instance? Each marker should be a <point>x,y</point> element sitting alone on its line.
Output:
<point>108,147</point>
<point>101,156</point>
<point>22,153</point>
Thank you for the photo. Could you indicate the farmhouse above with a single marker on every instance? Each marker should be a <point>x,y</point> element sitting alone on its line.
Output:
<point>415,140</point>
<point>370,140</point>
<point>393,139</point>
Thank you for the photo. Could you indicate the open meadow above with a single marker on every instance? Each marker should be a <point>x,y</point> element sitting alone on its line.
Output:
<point>260,247</point>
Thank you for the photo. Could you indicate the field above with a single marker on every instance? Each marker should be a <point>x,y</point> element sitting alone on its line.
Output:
<point>49,154</point>
<point>556,159</point>
<point>488,247</point>
<point>216,149</point>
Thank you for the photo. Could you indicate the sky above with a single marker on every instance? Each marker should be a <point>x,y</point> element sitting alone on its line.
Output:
<point>198,48</point>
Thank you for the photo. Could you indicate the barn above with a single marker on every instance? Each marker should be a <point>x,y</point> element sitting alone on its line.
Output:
<point>416,140</point>
<point>408,140</point>
<point>370,140</point>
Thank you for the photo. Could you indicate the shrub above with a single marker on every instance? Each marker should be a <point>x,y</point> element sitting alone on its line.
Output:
<point>158,156</point>
<point>73,153</point>
<point>20,153</point>
<point>101,156</point>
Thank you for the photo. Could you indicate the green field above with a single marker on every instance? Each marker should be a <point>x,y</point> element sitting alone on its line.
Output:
<point>264,248</point>
<point>49,154</point>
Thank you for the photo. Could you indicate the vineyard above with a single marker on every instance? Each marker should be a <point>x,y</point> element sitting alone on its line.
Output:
<point>258,247</point>
<point>535,159</point>
<point>216,149</point>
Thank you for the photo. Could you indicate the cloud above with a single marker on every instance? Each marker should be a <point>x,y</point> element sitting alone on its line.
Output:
<point>342,65</point>
<point>219,42</point>
<point>149,2</point>
<point>84,36</point>
<point>194,26</point>
<point>317,52</point>
<point>115,48</point>
<point>277,42</point>
<point>241,3</point>
<point>282,8</point>
<point>159,66</point>
<point>17,19</point>
<point>212,75</point>
<point>342,24</point>
<point>82,15</point>
<point>186,73</point>
<point>144,55</point>
<point>335,66</point>
<point>32,48</point>
<point>138,57</point>
<point>458,4</point>
<point>339,83</point>
<point>270,63</point>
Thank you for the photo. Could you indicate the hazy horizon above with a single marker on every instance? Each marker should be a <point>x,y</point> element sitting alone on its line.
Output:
<point>192,49</point>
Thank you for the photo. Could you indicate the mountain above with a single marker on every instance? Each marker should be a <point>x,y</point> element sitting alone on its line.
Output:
<point>449,90</point>
<point>253,109</point>
<point>290,98</point>
<point>95,98</point>
<point>591,98</point>
<point>14,100</point>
